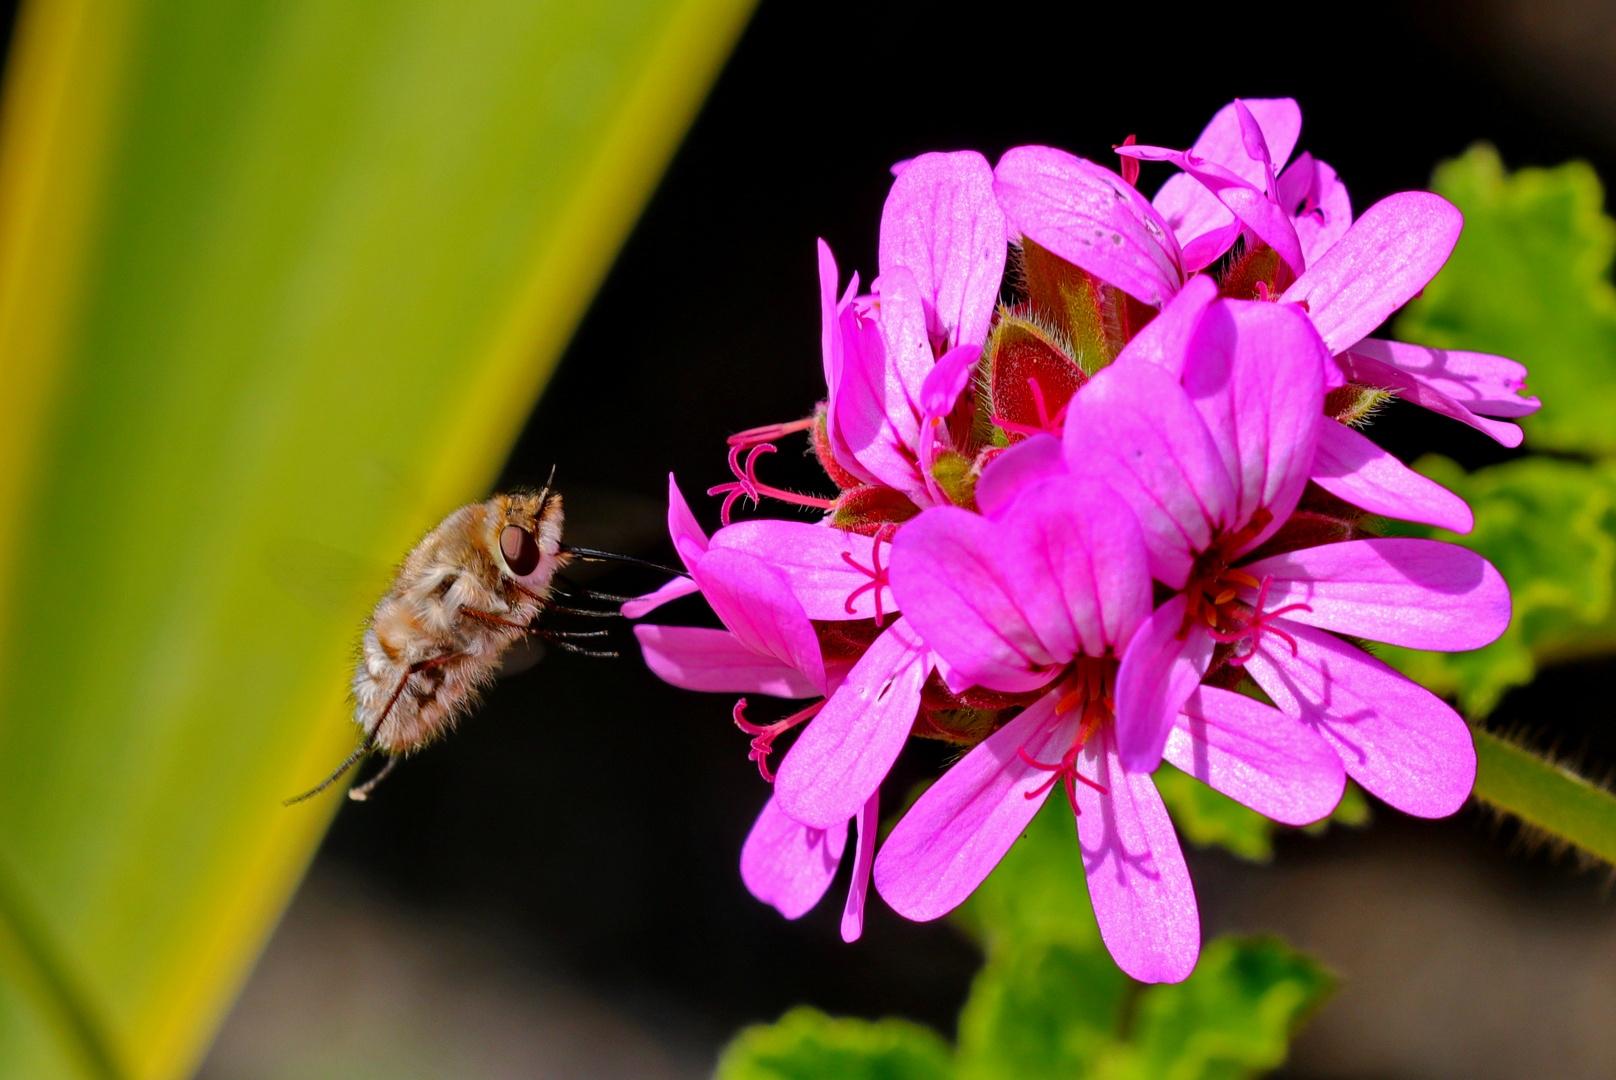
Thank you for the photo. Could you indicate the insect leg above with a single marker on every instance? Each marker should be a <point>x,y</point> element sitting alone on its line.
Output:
<point>362,792</point>
<point>364,748</point>
<point>550,605</point>
<point>593,594</point>
<point>570,647</point>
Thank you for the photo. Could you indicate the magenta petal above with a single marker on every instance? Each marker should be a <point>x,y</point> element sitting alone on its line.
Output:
<point>948,379</point>
<point>1481,382</point>
<point>1384,259</point>
<point>696,658</point>
<point>868,822</point>
<point>641,606</point>
<point>846,751</point>
<point>837,323</point>
<point>831,572</point>
<point>885,364</point>
<point>943,223</point>
<point>1137,428</point>
<point>1247,201</point>
<point>1420,594</point>
<point>1090,217</point>
<point>1350,467</point>
<point>1327,208</point>
<point>789,865</point>
<point>1365,369</point>
<point>755,601</point>
<point>957,831</point>
<point>1022,465</point>
<point>1159,671</point>
<point>1060,572</point>
<point>1223,141</point>
<point>1396,738</point>
<point>1165,340</point>
<point>1256,376</point>
<point>1257,755</point>
<point>1138,882</point>
<point>1204,227</point>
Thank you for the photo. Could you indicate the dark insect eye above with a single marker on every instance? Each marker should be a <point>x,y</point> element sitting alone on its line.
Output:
<point>521,551</point>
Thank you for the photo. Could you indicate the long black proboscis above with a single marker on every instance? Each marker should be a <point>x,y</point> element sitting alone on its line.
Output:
<point>612,556</point>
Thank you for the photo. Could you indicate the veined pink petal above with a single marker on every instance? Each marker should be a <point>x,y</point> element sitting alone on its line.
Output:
<point>1256,755</point>
<point>886,362</point>
<point>1256,376</point>
<point>868,822</point>
<point>1325,207</point>
<point>1372,372</point>
<point>1138,882</point>
<point>1420,594</point>
<point>1396,738</point>
<point>1204,226</point>
<point>1350,466</point>
<point>755,601</point>
<point>957,831</point>
<point>830,571</point>
<point>837,322</point>
<point>1165,340</point>
<point>1136,427</point>
<point>1481,382</point>
<point>845,752</point>
<point>696,658</point>
<point>641,606</point>
<point>1022,465</point>
<point>943,223</point>
<point>947,380</point>
<point>1059,573</point>
<point>789,865</point>
<point>1159,671</point>
<point>1385,258</point>
<point>1090,217</point>
<point>1223,141</point>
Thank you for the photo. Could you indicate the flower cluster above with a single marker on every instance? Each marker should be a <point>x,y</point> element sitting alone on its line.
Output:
<point>1101,499</point>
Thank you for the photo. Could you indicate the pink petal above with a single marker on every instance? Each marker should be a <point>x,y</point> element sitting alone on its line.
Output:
<point>1397,739</point>
<point>1372,372</point>
<point>1224,142</point>
<point>641,606</point>
<point>1247,201</point>
<point>1165,340</point>
<point>696,658</point>
<point>755,602</point>
<point>885,364</point>
<point>957,831</point>
<point>868,821</point>
<point>788,865</point>
<point>1060,572</point>
<point>1137,428</point>
<point>1090,217</point>
<point>1311,183</point>
<point>837,322</point>
<point>1203,226</point>
<point>943,223</point>
<point>1022,465</point>
<point>1420,594</point>
<point>1159,671</point>
<point>1256,755</point>
<point>1256,376</point>
<point>948,379</point>
<point>845,752</point>
<point>1349,466</point>
<point>814,560</point>
<point>1482,382</point>
<point>1384,259</point>
<point>1138,882</point>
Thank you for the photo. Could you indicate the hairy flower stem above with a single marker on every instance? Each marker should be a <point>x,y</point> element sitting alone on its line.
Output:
<point>1546,796</point>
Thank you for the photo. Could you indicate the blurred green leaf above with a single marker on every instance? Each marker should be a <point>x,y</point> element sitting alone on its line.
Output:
<point>1234,1017</point>
<point>276,277</point>
<point>1205,817</point>
<point>805,1044</point>
<point>1549,526</point>
<point>1530,280</point>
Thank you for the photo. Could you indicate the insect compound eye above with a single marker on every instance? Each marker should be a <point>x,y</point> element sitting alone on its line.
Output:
<point>521,551</point>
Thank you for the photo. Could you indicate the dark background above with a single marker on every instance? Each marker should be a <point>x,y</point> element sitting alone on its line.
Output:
<point>600,813</point>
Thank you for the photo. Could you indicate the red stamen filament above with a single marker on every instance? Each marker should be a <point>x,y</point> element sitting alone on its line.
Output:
<point>769,432</point>
<point>1093,692</point>
<point>877,575</point>
<point>1258,624</point>
<point>1046,423</point>
<point>764,736</point>
<point>747,484</point>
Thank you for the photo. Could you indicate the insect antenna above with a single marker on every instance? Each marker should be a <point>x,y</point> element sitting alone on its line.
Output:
<point>362,792</point>
<point>592,555</point>
<point>353,758</point>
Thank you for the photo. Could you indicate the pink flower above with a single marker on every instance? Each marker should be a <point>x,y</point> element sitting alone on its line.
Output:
<point>1045,594</point>
<point>1213,464</point>
<point>789,865</point>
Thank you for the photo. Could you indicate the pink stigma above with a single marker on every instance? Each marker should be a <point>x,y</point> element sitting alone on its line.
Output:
<point>876,573</point>
<point>1259,624</point>
<point>769,432</point>
<point>1065,770</point>
<point>763,741</point>
<point>747,484</point>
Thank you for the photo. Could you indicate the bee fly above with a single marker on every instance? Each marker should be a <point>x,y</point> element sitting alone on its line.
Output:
<point>467,592</point>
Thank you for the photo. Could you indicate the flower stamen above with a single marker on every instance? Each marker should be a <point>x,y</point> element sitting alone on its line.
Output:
<point>764,735</point>
<point>876,573</point>
<point>1258,624</point>
<point>769,432</point>
<point>747,484</point>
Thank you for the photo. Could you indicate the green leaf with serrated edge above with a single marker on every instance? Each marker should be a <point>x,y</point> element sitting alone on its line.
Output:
<point>276,277</point>
<point>1038,891</point>
<point>1232,1018</point>
<point>1206,817</point>
<point>805,1044</point>
<point>1041,1009</point>
<point>1529,279</point>
<point>1549,526</point>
